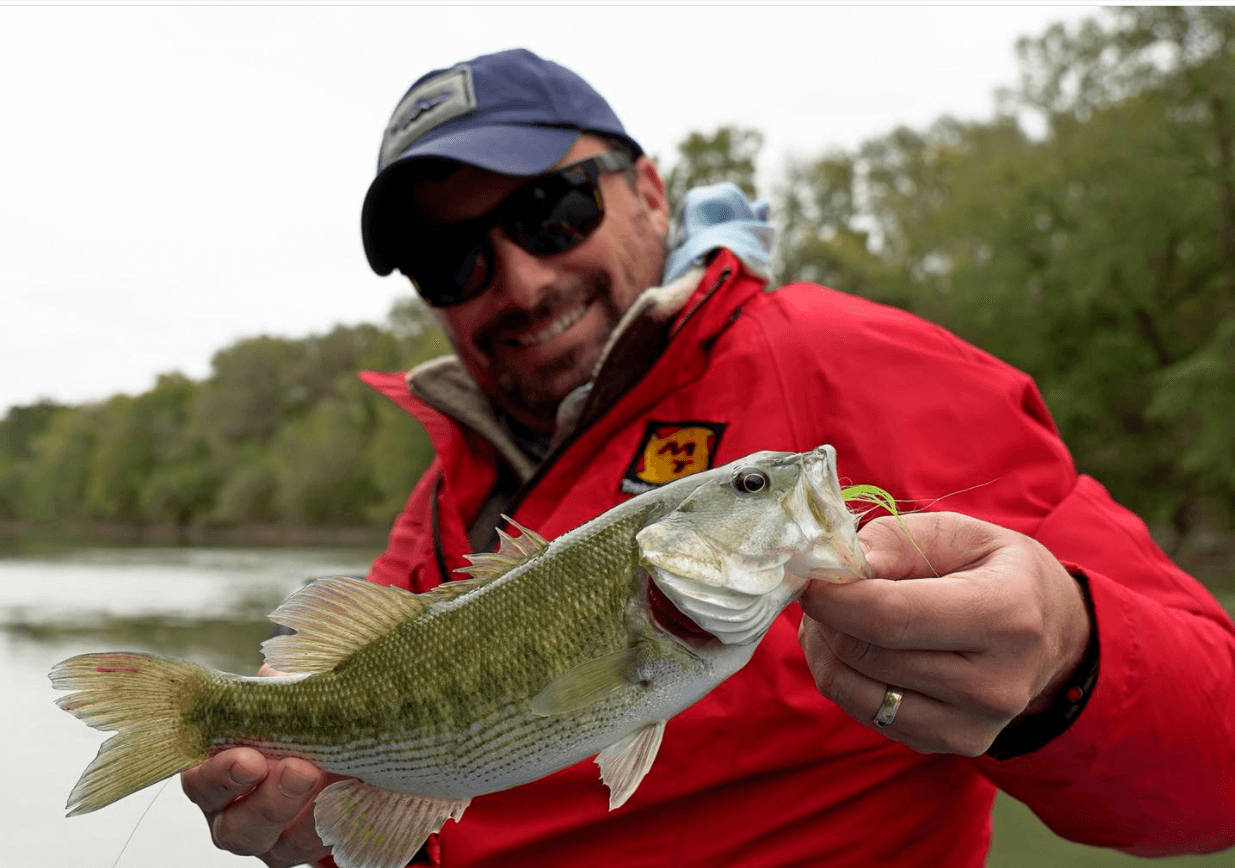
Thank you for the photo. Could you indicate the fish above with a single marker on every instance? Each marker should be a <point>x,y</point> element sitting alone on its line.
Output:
<point>547,654</point>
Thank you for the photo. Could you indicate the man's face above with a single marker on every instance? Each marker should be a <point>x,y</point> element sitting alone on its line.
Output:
<point>538,330</point>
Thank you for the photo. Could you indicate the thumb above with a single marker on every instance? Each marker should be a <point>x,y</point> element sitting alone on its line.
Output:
<point>925,544</point>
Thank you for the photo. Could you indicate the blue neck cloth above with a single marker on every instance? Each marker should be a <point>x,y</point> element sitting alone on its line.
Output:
<point>720,215</point>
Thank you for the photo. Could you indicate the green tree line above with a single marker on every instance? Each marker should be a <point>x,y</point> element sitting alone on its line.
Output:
<point>281,432</point>
<point>1084,233</point>
<point>1098,256</point>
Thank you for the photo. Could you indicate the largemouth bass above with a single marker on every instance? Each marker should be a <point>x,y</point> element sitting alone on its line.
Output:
<point>551,652</point>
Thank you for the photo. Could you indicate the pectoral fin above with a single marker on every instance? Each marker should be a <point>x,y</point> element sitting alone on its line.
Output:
<point>368,827</point>
<point>624,763</point>
<point>588,683</point>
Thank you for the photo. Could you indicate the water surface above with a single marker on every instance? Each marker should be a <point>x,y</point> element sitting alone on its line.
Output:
<point>205,604</point>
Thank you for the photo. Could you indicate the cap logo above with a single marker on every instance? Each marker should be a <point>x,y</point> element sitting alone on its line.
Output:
<point>421,106</point>
<point>435,101</point>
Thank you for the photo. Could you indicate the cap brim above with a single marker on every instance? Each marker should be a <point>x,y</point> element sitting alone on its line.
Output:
<point>506,149</point>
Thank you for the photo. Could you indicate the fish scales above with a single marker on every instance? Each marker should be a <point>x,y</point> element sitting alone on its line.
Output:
<point>551,653</point>
<point>411,682</point>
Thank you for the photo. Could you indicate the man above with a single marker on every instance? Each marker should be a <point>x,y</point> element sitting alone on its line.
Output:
<point>1035,640</point>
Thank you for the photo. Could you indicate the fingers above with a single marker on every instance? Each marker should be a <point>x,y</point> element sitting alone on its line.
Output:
<point>224,778</point>
<point>957,680</point>
<point>948,613</point>
<point>253,825</point>
<point>299,843</point>
<point>923,722</point>
<point>259,807</point>
<point>978,594</point>
<point>994,633</point>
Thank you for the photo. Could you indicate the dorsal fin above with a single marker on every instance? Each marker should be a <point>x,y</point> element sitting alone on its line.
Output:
<point>512,552</point>
<point>335,617</point>
<point>528,544</point>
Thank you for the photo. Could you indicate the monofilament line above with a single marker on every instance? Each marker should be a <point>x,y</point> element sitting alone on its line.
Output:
<point>129,839</point>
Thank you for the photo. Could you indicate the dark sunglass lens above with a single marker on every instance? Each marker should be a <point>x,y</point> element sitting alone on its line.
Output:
<point>472,275</point>
<point>556,214</point>
<point>450,269</point>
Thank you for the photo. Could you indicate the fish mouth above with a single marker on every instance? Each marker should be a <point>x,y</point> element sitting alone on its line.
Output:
<point>837,555</point>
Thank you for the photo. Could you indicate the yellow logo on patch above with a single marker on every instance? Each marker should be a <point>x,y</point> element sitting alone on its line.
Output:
<point>671,450</point>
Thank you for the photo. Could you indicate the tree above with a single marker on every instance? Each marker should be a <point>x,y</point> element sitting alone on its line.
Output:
<point>727,155</point>
<point>54,489</point>
<point>1143,106</point>
<point>1098,258</point>
<point>19,430</point>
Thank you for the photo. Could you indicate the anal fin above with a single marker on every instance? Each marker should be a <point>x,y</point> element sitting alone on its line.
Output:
<point>624,763</point>
<point>368,827</point>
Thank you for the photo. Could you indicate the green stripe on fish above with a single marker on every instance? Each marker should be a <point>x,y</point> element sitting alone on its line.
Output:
<point>550,653</point>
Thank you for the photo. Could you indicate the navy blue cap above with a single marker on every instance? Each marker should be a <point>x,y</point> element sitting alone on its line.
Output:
<point>511,112</point>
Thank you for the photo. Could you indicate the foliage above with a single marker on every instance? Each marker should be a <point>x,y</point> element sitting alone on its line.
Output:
<point>726,155</point>
<point>1098,257</point>
<point>19,430</point>
<point>281,432</point>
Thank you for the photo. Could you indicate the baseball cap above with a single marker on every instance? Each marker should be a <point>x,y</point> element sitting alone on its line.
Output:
<point>511,112</point>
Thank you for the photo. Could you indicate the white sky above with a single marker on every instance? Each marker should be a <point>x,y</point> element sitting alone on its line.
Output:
<point>174,178</point>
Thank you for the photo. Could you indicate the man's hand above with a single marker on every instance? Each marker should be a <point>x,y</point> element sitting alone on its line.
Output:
<point>975,626</point>
<point>258,806</point>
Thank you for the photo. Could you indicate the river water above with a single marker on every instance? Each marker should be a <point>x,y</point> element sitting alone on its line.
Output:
<point>209,605</point>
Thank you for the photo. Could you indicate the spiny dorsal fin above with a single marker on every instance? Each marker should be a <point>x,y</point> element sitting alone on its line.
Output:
<point>512,552</point>
<point>526,545</point>
<point>335,617</point>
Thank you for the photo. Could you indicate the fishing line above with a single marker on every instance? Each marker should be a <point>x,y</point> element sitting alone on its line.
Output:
<point>129,839</point>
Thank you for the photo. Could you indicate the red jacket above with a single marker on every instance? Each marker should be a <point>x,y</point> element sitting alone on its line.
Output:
<point>765,772</point>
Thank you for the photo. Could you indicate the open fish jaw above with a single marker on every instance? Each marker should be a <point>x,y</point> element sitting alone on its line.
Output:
<point>835,554</point>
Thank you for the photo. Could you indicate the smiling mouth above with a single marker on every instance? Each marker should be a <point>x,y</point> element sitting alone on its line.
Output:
<point>552,330</point>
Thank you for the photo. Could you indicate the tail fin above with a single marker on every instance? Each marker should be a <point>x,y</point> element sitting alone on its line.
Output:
<point>142,697</point>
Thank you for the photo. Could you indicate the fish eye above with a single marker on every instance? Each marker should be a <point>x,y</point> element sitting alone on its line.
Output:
<point>749,480</point>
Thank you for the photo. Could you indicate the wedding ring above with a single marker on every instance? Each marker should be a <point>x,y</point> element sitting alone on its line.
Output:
<point>887,711</point>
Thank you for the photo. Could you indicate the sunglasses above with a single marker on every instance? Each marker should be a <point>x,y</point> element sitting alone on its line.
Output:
<point>551,213</point>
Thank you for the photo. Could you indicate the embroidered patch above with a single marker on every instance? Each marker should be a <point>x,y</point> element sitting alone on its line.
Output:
<point>669,451</point>
<point>441,98</point>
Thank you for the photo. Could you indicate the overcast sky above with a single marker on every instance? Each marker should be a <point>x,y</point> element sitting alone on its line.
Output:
<point>175,178</point>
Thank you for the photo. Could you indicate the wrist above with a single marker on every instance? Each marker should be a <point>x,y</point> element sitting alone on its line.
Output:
<point>1061,702</point>
<point>1078,639</point>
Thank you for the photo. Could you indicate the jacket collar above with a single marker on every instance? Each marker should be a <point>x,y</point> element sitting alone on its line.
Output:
<point>441,387</point>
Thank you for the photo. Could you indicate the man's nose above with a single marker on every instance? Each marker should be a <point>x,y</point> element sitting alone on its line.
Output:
<point>520,277</point>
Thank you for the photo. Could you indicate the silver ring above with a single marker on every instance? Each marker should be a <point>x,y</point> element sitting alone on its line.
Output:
<point>887,711</point>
